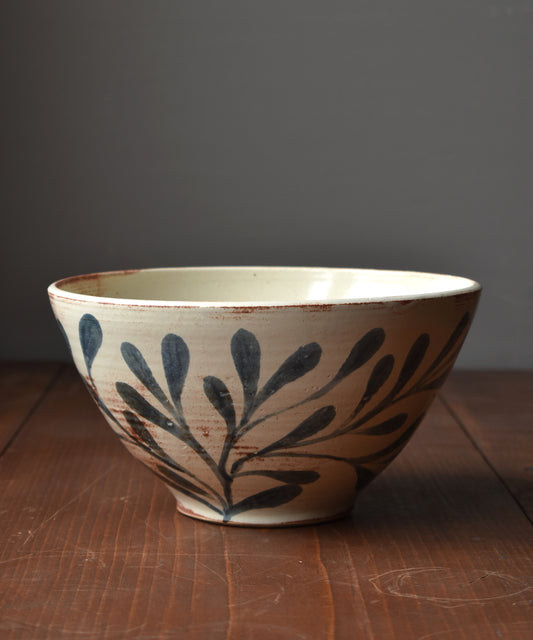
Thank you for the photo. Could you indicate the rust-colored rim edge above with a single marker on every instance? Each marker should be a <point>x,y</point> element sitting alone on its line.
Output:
<point>465,286</point>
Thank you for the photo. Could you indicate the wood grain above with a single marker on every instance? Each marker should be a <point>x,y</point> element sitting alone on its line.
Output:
<point>21,388</point>
<point>496,410</point>
<point>92,547</point>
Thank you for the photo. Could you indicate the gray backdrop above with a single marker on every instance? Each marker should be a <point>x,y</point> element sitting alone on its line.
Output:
<point>364,133</point>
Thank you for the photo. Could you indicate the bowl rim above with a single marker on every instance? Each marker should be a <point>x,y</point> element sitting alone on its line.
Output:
<point>464,286</point>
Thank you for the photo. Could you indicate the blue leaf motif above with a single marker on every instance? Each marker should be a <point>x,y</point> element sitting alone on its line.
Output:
<point>412,361</point>
<point>175,357</point>
<point>220,398</point>
<point>267,499</point>
<point>380,374</point>
<point>137,364</point>
<point>247,358</point>
<point>384,428</point>
<point>90,334</point>
<point>319,420</point>
<point>295,366</point>
<point>453,340</point>
<point>143,408</point>
<point>288,477</point>
<point>361,352</point>
<point>364,477</point>
<point>64,334</point>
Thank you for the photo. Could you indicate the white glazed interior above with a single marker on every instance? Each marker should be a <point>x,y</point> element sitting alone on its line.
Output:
<point>255,286</point>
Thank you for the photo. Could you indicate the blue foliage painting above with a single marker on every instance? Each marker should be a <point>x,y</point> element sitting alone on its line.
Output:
<point>143,419</point>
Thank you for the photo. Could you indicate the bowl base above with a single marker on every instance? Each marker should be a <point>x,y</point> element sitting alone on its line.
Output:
<point>259,523</point>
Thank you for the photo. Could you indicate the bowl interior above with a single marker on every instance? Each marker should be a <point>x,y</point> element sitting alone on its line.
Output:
<point>261,285</point>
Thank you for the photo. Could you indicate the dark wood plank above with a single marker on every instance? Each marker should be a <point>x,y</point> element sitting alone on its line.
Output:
<point>438,548</point>
<point>92,547</point>
<point>21,387</point>
<point>496,409</point>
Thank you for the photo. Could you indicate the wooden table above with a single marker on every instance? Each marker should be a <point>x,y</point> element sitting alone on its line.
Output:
<point>440,546</point>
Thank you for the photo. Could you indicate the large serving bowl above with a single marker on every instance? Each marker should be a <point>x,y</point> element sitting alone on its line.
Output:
<point>264,396</point>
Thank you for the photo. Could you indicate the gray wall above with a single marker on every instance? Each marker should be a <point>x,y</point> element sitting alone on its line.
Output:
<point>366,133</point>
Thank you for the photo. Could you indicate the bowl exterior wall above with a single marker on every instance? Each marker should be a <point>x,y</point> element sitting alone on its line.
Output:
<point>266,416</point>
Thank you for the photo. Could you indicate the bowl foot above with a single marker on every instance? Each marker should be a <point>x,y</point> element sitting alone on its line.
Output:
<point>270,522</point>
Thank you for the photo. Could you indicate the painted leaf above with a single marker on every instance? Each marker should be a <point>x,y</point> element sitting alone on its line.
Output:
<point>142,407</point>
<point>138,427</point>
<point>384,428</point>
<point>175,356</point>
<point>289,477</point>
<point>180,483</point>
<point>437,382</point>
<point>185,487</point>
<point>380,374</point>
<point>98,400</point>
<point>412,361</point>
<point>146,437</point>
<point>137,365</point>
<point>267,499</point>
<point>297,365</point>
<point>64,334</point>
<point>453,340</point>
<point>319,420</point>
<point>390,450</point>
<point>361,352</point>
<point>364,477</point>
<point>91,336</point>
<point>246,354</point>
<point>221,399</point>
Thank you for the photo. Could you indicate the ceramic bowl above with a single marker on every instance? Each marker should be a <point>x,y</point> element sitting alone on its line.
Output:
<point>264,396</point>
